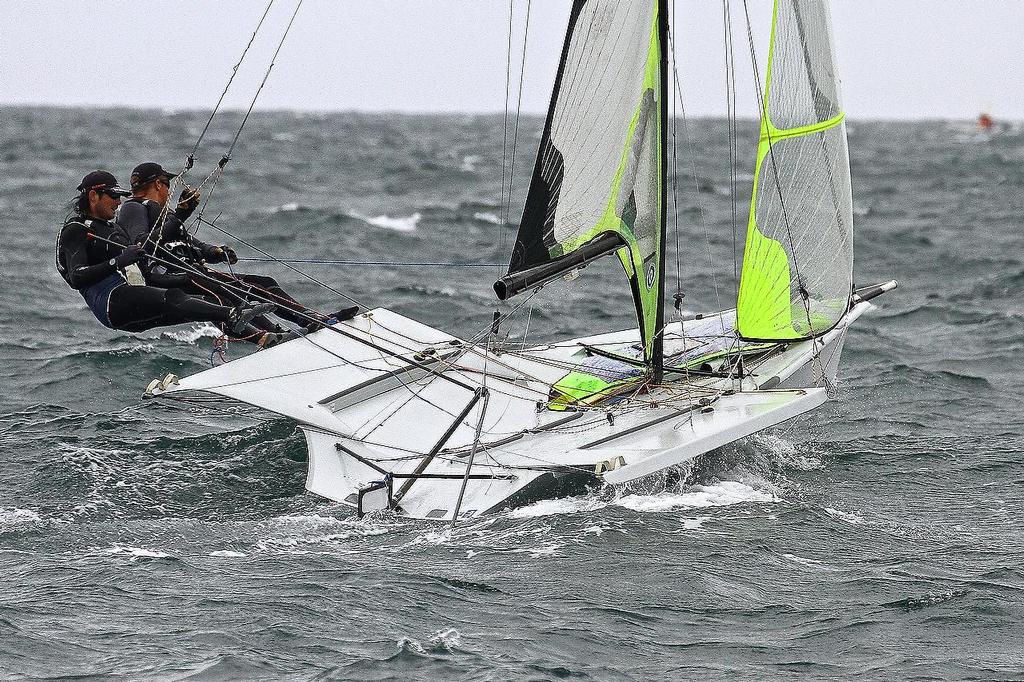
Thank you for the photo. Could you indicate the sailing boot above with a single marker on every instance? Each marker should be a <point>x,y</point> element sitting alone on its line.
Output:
<point>333,318</point>
<point>241,315</point>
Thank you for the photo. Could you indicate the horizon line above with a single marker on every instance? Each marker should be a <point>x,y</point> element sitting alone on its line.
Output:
<point>167,110</point>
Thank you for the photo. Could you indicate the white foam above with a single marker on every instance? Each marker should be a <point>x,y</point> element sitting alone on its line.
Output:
<point>135,553</point>
<point>140,348</point>
<point>694,524</point>
<point>537,552</point>
<point>449,638</point>
<point>228,554</point>
<point>721,494</point>
<point>845,516</point>
<point>403,224</point>
<point>812,563</point>
<point>288,208</point>
<point>194,333</point>
<point>410,644</point>
<point>469,163</point>
<point>566,505</point>
<point>487,217</point>
<point>11,517</point>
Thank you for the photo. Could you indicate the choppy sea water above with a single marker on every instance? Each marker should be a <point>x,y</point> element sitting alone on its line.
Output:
<point>879,537</point>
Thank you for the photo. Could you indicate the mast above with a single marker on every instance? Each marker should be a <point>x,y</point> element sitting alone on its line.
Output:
<point>658,353</point>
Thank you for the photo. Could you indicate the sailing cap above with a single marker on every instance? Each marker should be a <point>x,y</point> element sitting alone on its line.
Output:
<point>146,173</point>
<point>100,180</point>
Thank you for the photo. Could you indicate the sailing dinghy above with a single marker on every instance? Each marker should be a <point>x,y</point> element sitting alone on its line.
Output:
<point>398,415</point>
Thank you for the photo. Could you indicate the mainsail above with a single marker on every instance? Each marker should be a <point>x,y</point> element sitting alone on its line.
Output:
<point>598,181</point>
<point>797,275</point>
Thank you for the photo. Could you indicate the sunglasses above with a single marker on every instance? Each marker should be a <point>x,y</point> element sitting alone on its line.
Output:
<point>112,193</point>
<point>164,181</point>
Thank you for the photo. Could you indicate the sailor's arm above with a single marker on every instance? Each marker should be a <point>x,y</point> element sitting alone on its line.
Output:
<point>134,220</point>
<point>74,255</point>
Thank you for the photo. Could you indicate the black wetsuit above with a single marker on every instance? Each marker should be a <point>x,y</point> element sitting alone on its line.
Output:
<point>86,264</point>
<point>141,218</point>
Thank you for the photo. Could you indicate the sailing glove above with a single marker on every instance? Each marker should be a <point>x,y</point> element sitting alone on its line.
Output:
<point>131,254</point>
<point>187,202</point>
<point>219,254</point>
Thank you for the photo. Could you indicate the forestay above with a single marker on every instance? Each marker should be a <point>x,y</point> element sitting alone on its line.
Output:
<point>598,174</point>
<point>797,273</point>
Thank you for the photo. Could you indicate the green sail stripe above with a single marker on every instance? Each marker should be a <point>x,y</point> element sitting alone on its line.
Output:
<point>630,257</point>
<point>773,134</point>
<point>767,307</point>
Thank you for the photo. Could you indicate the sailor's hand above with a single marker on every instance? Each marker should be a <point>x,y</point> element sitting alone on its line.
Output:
<point>131,254</point>
<point>188,201</point>
<point>229,255</point>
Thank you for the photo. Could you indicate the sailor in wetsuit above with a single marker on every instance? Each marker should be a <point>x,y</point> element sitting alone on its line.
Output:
<point>99,259</point>
<point>145,217</point>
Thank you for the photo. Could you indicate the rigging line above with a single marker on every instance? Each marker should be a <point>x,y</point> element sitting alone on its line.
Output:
<point>675,180</point>
<point>445,364</point>
<point>696,182</point>
<point>417,264</point>
<point>730,107</point>
<point>234,72</point>
<point>775,167</point>
<point>676,97</point>
<point>219,170</point>
<point>761,95</point>
<point>266,75</point>
<point>504,126</point>
<point>519,107</point>
<point>277,260</point>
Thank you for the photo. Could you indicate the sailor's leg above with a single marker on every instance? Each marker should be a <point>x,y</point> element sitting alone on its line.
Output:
<point>184,308</point>
<point>139,308</point>
<point>287,307</point>
<point>136,309</point>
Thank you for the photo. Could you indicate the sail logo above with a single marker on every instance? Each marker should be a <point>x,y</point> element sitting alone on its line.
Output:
<point>652,272</point>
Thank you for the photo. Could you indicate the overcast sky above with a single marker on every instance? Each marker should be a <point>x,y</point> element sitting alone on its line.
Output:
<point>898,59</point>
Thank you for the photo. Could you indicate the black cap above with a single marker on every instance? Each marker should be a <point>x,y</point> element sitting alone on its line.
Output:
<point>146,173</point>
<point>101,180</point>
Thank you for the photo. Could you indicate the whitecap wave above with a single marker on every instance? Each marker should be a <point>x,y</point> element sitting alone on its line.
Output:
<point>695,523</point>
<point>565,505</point>
<point>228,554</point>
<point>401,224</point>
<point>723,494</point>
<point>136,553</point>
<point>487,217</point>
<point>549,549</point>
<point>11,517</point>
<point>449,638</point>
<point>849,517</point>
<point>803,561</point>
<point>410,644</point>
<point>194,333</point>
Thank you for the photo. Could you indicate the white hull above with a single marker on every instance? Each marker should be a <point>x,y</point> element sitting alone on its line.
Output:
<point>366,409</point>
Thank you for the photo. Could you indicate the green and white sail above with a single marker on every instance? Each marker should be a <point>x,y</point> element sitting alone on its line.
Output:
<point>598,181</point>
<point>797,275</point>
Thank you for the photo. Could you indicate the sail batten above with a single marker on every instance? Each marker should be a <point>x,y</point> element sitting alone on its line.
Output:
<point>599,170</point>
<point>797,276</point>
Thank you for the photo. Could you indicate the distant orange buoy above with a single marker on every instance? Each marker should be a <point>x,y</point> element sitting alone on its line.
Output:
<point>985,122</point>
